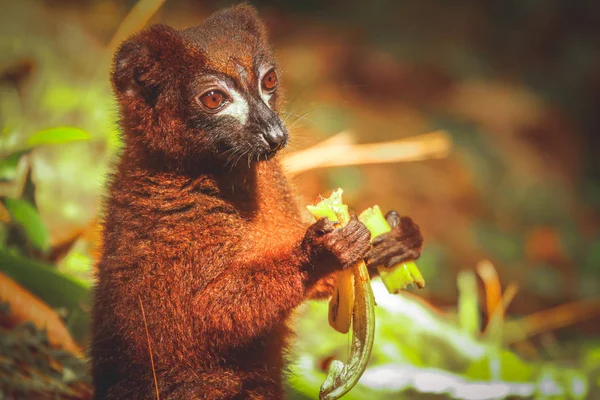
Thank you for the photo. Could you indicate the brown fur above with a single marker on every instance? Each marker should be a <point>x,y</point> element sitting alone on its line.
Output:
<point>217,254</point>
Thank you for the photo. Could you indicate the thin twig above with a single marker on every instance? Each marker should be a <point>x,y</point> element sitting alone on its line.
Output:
<point>509,295</point>
<point>149,348</point>
<point>495,326</point>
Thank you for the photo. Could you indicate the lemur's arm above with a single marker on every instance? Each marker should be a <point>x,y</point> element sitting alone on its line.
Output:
<point>251,295</point>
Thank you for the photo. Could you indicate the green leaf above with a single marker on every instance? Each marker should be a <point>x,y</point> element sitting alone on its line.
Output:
<point>26,215</point>
<point>55,288</point>
<point>59,135</point>
<point>8,166</point>
<point>468,304</point>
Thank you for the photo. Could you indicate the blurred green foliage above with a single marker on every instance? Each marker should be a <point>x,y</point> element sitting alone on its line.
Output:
<point>25,214</point>
<point>416,350</point>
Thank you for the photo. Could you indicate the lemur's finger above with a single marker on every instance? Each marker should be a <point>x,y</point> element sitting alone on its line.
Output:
<point>324,226</point>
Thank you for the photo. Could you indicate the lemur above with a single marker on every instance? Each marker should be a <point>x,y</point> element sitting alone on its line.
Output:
<point>201,229</point>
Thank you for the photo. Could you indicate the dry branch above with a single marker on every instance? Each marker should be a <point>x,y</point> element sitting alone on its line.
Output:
<point>431,145</point>
<point>552,319</point>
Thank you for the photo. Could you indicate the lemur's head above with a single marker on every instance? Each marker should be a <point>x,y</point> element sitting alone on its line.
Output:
<point>206,93</point>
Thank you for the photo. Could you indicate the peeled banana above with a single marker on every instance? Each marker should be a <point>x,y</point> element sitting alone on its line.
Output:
<point>352,303</point>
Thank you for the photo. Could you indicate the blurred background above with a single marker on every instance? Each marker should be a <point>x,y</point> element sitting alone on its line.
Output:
<point>508,197</point>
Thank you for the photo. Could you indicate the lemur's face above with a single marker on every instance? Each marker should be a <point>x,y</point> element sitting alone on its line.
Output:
<point>240,111</point>
<point>206,92</point>
<point>236,94</point>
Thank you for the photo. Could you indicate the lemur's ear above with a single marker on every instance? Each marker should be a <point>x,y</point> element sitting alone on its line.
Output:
<point>249,20</point>
<point>139,69</point>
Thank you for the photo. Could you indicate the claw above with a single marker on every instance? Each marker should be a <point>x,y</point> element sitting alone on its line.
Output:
<point>378,240</point>
<point>393,218</point>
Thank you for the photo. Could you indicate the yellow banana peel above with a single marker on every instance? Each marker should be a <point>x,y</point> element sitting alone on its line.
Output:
<point>342,301</point>
<point>353,303</point>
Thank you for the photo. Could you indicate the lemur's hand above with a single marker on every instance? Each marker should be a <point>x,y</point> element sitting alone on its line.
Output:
<point>344,245</point>
<point>403,243</point>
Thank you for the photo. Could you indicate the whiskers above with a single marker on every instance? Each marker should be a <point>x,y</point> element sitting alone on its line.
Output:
<point>234,155</point>
<point>298,119</point>
<point>244,152</point>
<point>300,109</point>
<point>253,153</point>
<point>293,120</point>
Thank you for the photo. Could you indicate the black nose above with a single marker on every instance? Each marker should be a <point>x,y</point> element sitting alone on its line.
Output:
<point>276,138</point>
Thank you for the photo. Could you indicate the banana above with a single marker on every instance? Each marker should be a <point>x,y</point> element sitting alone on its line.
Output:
<point>353,303</point>
<point>342,302</point>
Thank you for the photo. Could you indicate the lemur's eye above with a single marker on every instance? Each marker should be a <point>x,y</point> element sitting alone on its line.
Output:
<point>213,100</point>
<point>269,81</point>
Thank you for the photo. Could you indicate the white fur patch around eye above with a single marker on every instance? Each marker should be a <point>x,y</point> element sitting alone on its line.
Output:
<point>238,108</point>
<point>266,97</point>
